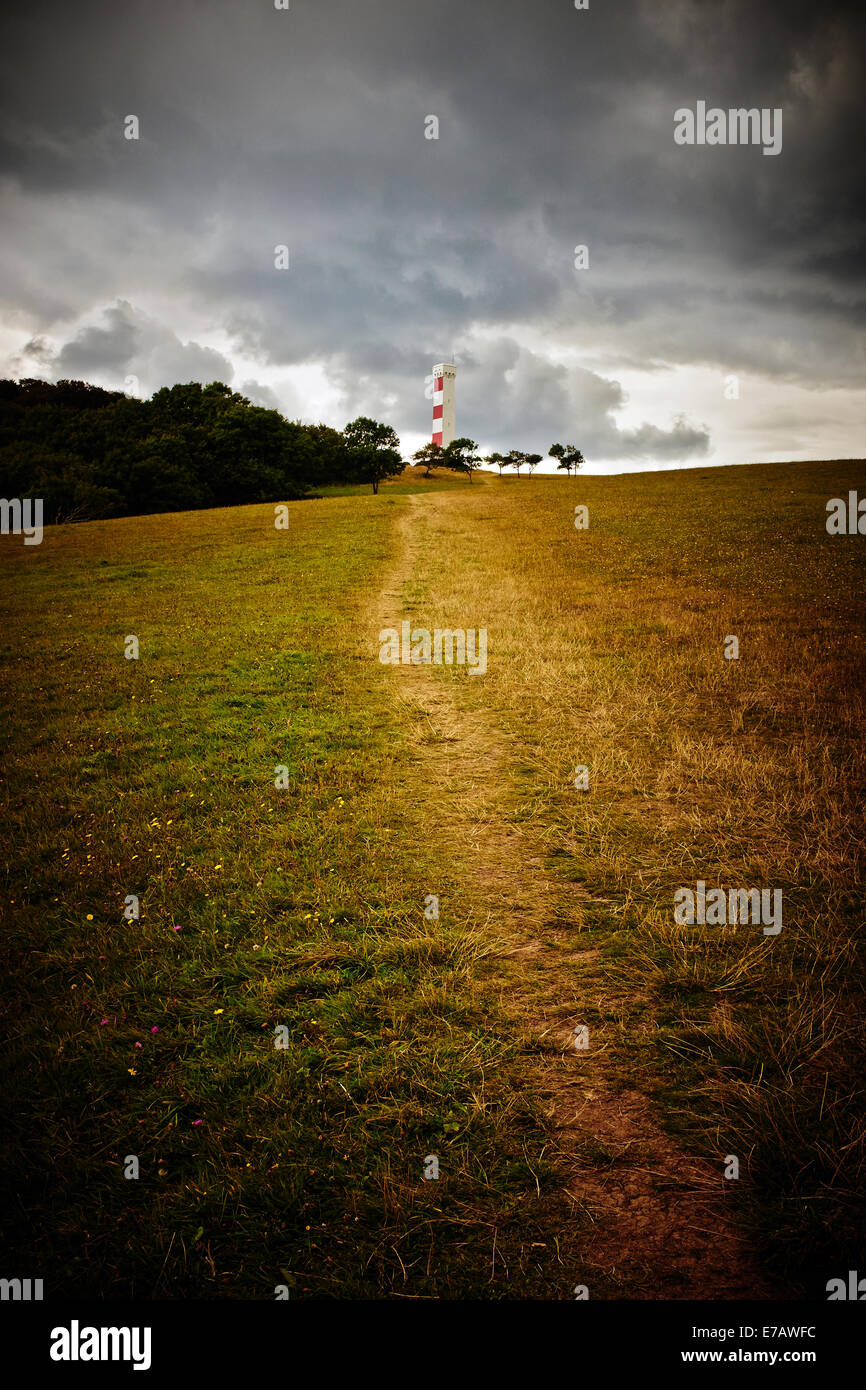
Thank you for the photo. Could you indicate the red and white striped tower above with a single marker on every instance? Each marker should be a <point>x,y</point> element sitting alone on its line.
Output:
<point>443,403</point>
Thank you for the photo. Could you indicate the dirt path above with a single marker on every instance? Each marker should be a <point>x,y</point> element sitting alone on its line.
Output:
<point>655,1219</point>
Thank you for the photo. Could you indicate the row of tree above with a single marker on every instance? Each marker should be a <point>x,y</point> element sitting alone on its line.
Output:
<point>462,455</point>
<point>89,452</point>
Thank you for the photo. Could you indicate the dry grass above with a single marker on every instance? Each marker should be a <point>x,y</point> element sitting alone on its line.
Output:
<point>606,649</point>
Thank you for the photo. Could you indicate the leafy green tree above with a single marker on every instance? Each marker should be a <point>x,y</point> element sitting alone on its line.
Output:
<point>461,454</point>
<point>374,450</point>
<point>161,480</point>
<point>532,461</point>
<point>497,459</point>
<point>329,461</point>
<point>514,459</point>
<point>430,456</point>
<point>256,456</point>
<point>569,456</point>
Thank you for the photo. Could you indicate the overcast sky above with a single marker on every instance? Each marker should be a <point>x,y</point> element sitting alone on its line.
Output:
<point>154,259</point>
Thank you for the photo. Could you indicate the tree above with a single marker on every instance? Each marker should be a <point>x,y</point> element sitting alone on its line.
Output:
<point>461,454</point>
<point>569,456</point>
<point>159,479</point>
<point>514,459</point>
<point>430,456</point>
<point>331,460</point>
<point>498,460</point>
<point>532,461</point>
<point>374,449</point>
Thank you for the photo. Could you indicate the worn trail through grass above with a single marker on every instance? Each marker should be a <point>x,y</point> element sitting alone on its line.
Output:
<point>651,1218</point>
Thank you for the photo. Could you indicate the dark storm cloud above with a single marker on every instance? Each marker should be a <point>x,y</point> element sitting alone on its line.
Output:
<point>306,127</point>
<point>258,394</point>
<point>108,346</point>
<point>129,343</point>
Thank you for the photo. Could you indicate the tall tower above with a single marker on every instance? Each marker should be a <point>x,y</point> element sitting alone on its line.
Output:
<point>444,428</point>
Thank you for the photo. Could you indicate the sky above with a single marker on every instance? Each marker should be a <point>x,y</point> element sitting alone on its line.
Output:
<point>720,317</point>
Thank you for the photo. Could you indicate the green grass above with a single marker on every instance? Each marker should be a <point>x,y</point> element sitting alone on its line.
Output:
<point>405,484</point>
<point>155,777</point>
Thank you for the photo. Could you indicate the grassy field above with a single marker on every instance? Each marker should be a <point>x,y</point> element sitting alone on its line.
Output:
<point>303,909</point>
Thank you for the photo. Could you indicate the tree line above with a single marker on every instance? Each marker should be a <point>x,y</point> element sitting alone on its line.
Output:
<point>89,452</point>
<point>461,454</point>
